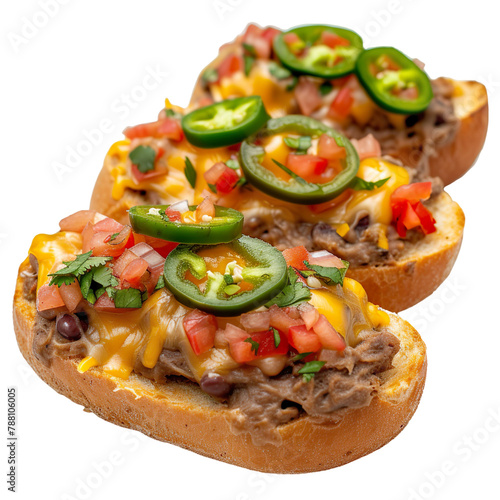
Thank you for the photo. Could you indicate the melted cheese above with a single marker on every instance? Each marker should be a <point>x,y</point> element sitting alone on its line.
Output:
<point>277,100</point>
<point>52,249</point>
<point>119,339</point>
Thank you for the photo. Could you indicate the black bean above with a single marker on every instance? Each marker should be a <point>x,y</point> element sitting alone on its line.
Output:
<point>69,326</point>
<point>84,320</point>
<point>215,385</point>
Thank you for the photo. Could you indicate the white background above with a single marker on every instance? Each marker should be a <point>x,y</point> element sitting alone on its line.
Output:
<point>72,73</point>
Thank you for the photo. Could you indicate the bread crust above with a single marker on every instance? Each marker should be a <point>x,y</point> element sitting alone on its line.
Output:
<point>181,414</point>
<point>453,159</point>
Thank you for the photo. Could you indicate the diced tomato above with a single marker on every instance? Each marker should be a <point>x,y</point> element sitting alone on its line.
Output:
<point>307,96</point>
<point>173,215</point>
<point>48,297</point>
<point>306,166</point>
<point>122,262</point>
<point>102,245</point>
<point>254,37</point>
<point>325,259</point>
<point>270,34</point>
<point>296,256</point>
<point>134,273</point>
<point>333,40</point>
<point>255,321</point>
<point>71,295</point>
<point>150,174</point>
<point>214,172</point>
<point>155,264</point>
<point>76,222</point>
<point>166,127</point>
<point>206,207</point>
<point>408,211</point>
<point>329,149</point>
<point>303,340</point>
<point>309,314</point>
<point>242,351</point>
<point>230,65</point>
<point>367,147</point>
<point>328,336</point>
<point>341,105</point>
<point>226,181</point>
<point>163,247</point>
<point>200,330</point>
<point>109,225</point>
<point>427,221</point>
<point>291,38</point>
<point>343,80</point>
<point>412,192</point>
<point>280,320</point>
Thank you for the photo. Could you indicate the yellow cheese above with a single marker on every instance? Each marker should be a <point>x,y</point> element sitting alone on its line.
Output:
<point>52,249</point>
<point>332,307</point>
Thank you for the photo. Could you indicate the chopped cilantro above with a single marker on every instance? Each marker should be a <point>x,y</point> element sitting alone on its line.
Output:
<point>301,144</point>
<point>113,236</point>
<point>210,75</point>
<point>330,275</point>
<point>293,293</point>
<point>234,164</point>
<point>255,345</point>
<point>250,49</point>
<point>228,279</point>
<point>128,297</point>
<point>277,338</point>
<point>241,182</point>
<point>76,268</point>
<point>212,188</point>
<point>291,86</point>
<point>359,184</point>
<point>161,282</point>
<point>279,72</point>
<point>190,172</point>
<point>325,88</point>
<point>143,157</point>
<point>299,179</point>
<point>248,64</point>
<point>300,356</point>
<point>310,369</point>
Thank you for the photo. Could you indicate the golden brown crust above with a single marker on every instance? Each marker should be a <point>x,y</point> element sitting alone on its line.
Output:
<point>181,414</point>
<point>453,159</point>
<point>422,267</point>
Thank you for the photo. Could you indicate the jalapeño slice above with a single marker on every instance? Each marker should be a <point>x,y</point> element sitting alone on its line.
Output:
<point>296,189</point>
<point>152,221</point>
<point>228,279</point>
<point>319,50</point>
<point>393,80</point>
<point>224,123</point>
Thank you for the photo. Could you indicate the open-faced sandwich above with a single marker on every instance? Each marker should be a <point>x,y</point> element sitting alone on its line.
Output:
<point>299,183</point>
<point>436,127</point>
<point>216,344</point>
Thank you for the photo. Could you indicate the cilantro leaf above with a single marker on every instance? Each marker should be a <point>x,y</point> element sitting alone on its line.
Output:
<point>210,75</point>
<point>190,172</point>
<point>128,297</point>
<point>228,279</point>
<point>248,63</point>
<point>161,282</point>
<point>143,157</point>
<point>255,345</point>
<point>104,277</point>
<point>234,164</point>
<point>293,293</point>
<point>359,184</point>
<point>85,283</point>
<point>300,356</point>
<point>310,369</point>
<point>212,188</point>
<point>301,144</point>
<point>299,179</point>
<point>61,280</point>
<point>291,86</point>
<point>241,182</point>
<point>99,292</point>
<point>113,236</point>
<point>330,275</point>
<point>279,72</point>
<point>76,268</point>
<point>171,113</point>
<point>325,88</point>
<point>250,49</point>
<point>277,338</point>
